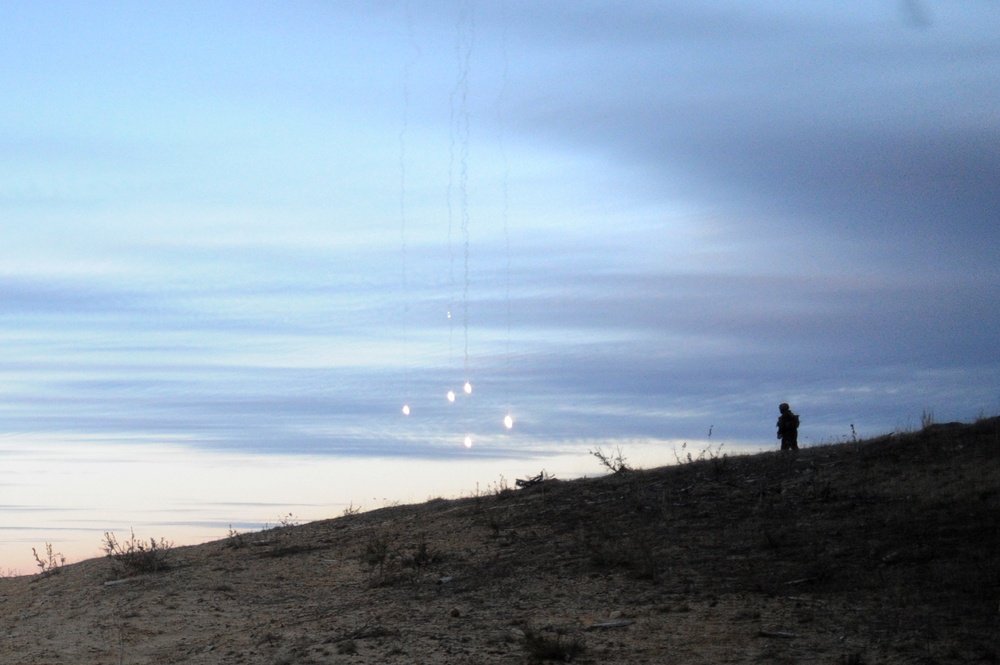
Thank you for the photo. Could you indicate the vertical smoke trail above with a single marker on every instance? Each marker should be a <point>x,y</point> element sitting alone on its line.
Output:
<point>466,39</point>
<point>449,195</point>
<point>402,201</point>
<point>459,133</point>
<point>505,202</point>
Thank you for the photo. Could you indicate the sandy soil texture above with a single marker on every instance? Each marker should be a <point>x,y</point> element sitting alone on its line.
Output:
<point>880,551</point>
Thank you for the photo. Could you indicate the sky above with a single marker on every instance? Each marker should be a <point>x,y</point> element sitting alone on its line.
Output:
<point>254,231</point>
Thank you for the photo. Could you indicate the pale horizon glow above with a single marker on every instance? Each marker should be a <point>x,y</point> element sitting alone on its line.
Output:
<point>188,496</point>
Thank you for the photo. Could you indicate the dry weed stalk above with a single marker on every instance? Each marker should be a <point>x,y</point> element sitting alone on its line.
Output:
<point>51,563</point>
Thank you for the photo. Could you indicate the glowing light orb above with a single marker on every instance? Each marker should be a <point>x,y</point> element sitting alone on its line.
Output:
<point>467,388</point>
<point>508,421</point>
<point>468,442</point>
<point>449,315</point>
<point>451,395</point>
<point>406,409</point>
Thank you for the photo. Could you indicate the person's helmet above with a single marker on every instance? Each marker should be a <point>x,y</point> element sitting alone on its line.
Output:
<point>783,407</point>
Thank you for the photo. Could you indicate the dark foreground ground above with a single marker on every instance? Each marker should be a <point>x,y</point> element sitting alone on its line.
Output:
<point>880,551</point>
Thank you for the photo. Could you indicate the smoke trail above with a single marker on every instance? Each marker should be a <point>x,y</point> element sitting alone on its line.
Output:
<point>466,39</point>
<point>449,196</point>
<point>459,133</point>
<point>402,200</point>
<point>505,201</point>
<point>459,123</point>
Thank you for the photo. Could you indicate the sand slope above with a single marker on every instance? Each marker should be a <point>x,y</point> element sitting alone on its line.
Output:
<point>881,551</point>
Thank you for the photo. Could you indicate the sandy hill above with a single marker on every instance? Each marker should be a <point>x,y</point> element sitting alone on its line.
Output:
<point>876,551</point>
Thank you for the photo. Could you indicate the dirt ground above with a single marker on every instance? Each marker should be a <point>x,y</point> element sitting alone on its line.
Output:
<point>880,551</point>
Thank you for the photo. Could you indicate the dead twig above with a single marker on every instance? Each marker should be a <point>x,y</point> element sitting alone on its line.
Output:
<point>608,625</point>
<point>799,581</point>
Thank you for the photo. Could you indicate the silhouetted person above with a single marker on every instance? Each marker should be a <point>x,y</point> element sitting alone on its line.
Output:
<point>788,428</point>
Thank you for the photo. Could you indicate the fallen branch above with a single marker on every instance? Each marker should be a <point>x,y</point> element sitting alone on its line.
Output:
<point>121,581</point>
<point>799,581</point>
<point>608,625</point>
<point>777,634</point>
<point>528,482</point>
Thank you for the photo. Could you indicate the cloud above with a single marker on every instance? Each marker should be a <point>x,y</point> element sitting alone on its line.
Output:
<point>678,215</point>
<point>833,119</point>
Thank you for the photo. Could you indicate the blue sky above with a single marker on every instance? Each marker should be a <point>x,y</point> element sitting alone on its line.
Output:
<point>242,226</point>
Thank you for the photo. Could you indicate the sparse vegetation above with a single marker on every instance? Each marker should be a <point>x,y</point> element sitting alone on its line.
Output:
<point>710,451</point>
<point>387,564</point>
<point>615,461</point>
<point>135,556</point>
<point>268,534</point>
<point>552,645</point>
<point>875,551</point>
<point>288,520</point>
<point>235,539</point>
<point>379,557</point>
<point>50,563</point>
<point>501,487</point>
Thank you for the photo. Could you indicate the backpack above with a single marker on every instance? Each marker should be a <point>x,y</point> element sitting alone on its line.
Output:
<point>788,423</point>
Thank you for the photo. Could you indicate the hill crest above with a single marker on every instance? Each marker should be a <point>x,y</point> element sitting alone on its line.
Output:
<point>876,551</point>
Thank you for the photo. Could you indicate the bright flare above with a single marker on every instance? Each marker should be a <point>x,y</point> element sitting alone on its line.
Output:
<point>468,442</point>
<point>508,421</point>
<point>406,409</point>
<point>467,388</point>
<point>451,395</point>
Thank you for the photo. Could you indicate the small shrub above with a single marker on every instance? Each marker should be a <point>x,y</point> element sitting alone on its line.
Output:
<point>422,557</point>
<point>613,461</point>
<point>51,563</point>
<point>708,452</point>
<point>135,556</point>
<point>557,646</point>
<point>389,564</point>
<point>501,487</point>
<point>382,560</point>
<point>720,465</point>
<point>235,540</point>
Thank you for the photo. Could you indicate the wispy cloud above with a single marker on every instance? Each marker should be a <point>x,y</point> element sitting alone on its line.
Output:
<point>247,232</point>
